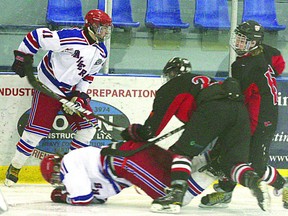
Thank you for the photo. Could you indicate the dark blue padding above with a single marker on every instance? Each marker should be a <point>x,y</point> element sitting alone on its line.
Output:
<point>121,13</point>
<point>212,14</point>
<point>164,14</point>
<point>263,12</point>
<point>64,13</point>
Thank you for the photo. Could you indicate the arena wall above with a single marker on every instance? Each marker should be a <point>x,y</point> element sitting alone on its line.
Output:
<point>118,98</point>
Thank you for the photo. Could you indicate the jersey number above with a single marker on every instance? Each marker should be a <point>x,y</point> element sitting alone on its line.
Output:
<point>47,34</point>
<point>203,80</point>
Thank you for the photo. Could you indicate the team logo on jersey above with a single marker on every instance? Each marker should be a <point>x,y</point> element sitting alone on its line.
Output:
<point>98,62</point>
<point>69,50</point>
<point>58,141</point>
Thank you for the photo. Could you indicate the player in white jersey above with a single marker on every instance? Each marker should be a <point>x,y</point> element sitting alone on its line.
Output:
<point>74,56</point>
<point>85,176</point>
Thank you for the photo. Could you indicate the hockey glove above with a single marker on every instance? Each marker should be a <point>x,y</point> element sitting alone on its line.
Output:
<point>137,133</point>
<point>213,168</point>
<point>21,59</point>
<point>58,195</point>
<point>80,99</point>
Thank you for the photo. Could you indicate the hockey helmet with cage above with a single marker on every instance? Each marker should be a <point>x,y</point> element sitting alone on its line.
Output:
<point>246,37</point>
<point>99,23</point>
<point>176,66</point>
<point>50,169</point>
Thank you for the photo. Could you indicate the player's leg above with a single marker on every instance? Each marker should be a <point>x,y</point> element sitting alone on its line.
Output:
<point>41,117</point>
<point>233,148</point>
<point>259,157</point>
<point>245,175</point>
<point>84,132</point>
<point>198,181</point>
<point>202,129</point>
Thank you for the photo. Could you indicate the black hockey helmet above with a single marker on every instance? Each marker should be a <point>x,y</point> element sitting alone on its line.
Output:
<point>252,30</point>
<point>246,37</point>
<point>176,66</point>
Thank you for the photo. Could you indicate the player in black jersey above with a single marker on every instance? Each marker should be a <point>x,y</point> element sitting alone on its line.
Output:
<point>256,67</point>
<point>209,110</point>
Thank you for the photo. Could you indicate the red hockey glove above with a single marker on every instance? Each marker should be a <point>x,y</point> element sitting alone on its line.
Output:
<point>137,133</point>
<point>80,99</point>
<point>59,195</point>
<point>21,59</point>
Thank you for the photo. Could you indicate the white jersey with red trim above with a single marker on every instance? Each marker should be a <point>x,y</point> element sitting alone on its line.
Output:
<point>71,61</point>
<point>86,175</point>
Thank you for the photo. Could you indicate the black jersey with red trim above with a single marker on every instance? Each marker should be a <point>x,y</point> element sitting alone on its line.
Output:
<point>177,98</point>
<point>258,84</point>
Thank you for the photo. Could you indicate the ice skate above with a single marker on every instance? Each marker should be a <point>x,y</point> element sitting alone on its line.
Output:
<point>11,176</point>
<point>216,200</point>
<point>260,190</point>
<point>172,202</point>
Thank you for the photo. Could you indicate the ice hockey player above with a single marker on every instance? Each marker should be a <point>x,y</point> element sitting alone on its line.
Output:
<point>208,110</point>
<point>85,176</point>
<point>256,67</point>
<point>74,56</point>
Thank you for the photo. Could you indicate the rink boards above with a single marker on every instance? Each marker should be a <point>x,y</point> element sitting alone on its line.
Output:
<point>117,98</point>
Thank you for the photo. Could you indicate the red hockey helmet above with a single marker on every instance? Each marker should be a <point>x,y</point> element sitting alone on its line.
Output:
<point>99,23</point>
<point>98,17</point>
<point>50,169</point>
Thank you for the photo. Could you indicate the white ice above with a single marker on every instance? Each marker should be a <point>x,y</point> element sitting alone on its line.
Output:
<point>34,200</point>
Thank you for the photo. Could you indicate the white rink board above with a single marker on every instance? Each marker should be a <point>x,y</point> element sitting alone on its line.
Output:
<point>131,95</point>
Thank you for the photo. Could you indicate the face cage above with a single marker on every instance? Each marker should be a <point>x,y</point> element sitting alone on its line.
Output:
<point>99,30</point>
<point>55,176</point>
<point>170,75</point>
<point>240,43</point>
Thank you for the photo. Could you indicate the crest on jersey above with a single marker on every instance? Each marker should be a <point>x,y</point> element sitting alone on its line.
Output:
<point>98,62</point>
<point>257,27</point>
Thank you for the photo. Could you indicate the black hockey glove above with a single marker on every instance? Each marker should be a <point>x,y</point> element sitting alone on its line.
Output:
<point>81,99</point>
<point>213,168</point>
<point>137,133</point>
<point>21,59</point>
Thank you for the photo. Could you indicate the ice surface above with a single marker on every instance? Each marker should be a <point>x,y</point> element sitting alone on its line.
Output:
<point>34,200</point>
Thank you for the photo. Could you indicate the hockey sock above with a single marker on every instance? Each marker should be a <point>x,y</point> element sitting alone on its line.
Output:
<point>24,148</point>
<point>82,138</point>
<point>273,178</point>
<point>181,168</point>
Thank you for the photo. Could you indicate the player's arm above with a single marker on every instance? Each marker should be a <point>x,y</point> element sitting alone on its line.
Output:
<point>162,111</point>
<point>274,56</point>
<point>278,64</point>
<point>39,38</point>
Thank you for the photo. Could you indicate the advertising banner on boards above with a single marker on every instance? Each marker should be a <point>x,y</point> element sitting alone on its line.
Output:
<point>119,99</point>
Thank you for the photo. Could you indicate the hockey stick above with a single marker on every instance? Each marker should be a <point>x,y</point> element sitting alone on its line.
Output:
<point>36,84</point>
<point>109,151</point>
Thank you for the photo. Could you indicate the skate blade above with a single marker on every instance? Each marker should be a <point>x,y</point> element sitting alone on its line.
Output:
<point>8,183</point>
<point>265,205</point>
<point>3,204</point>
<point>219,205</point>
<point>170,209</point>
